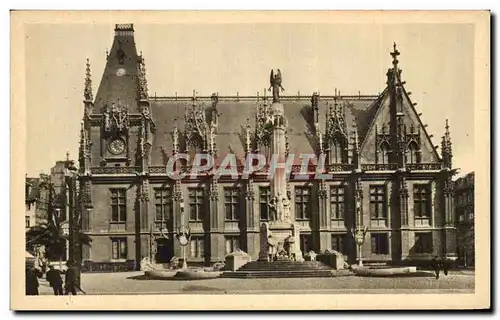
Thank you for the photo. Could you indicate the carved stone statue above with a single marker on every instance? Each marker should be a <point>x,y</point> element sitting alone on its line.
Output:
<point>286,209</point>
<point>107,120</point>
<point>275,84</point>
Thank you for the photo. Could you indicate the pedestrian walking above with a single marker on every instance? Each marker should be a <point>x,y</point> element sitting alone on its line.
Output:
<point>71,284</point>
<point>31,281</point>
<point>55,280</point>
<point>70,280</point>
<point>436,265</point>
<point>445,266</point>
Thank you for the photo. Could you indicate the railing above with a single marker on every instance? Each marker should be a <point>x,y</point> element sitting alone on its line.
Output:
<point>424,166</point>
<point>379,166</point>
<point>114,170</point>
<point>158,169</point>
<point>340,167</point>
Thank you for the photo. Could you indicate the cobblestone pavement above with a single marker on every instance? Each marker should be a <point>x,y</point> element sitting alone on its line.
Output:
<point>133,283</point>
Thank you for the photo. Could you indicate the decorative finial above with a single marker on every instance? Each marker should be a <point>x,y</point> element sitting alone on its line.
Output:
<point>395,53</point>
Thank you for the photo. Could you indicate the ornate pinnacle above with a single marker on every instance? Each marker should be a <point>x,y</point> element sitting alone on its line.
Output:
<point>212,140</point>
<point>176,137</point>
<point>356,140</point>
<point>320,136</point>
<point>446,147</point>
<point>194,96</point>
<point>247,133</point>
<point>143,82</point>
<point>396,73</point>
<point>395,53</point>
<point>87,92</point>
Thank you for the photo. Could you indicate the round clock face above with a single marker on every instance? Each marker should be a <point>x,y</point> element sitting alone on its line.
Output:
<point>120,72</point>
<point>117,146</point>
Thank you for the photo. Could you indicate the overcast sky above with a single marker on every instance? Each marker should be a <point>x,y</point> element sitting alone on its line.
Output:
<point>436,59</point>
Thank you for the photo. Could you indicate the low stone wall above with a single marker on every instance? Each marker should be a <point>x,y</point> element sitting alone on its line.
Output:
<point>90,266</point>
<point>331,259</point>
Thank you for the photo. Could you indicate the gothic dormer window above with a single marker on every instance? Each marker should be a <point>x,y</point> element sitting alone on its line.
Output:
<point>195,146</point>
<point>384,153</point>
<point>336,152</point>
<point>413,153</point>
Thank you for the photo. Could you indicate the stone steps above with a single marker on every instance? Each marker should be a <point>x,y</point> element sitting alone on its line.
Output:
<point>284,266</point>
<point>283,269</point>
<point>278,274</point>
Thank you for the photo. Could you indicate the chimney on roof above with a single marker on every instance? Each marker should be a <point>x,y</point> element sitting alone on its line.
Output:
<point>124,29</point>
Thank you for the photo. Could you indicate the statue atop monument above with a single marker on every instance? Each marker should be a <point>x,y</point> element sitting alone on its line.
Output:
<point>275,84</point>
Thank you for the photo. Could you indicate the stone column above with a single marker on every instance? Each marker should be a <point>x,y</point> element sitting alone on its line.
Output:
<point>323,218</point>
<point>216,225</point>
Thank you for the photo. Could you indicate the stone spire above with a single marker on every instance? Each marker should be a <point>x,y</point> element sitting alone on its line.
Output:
<point>248,137</point>
<point>397,110</point>
<point>176,138</point>
<point>87,92</point>
<point>143,82</point>
<point>446,151</point>
<point>356,156</point>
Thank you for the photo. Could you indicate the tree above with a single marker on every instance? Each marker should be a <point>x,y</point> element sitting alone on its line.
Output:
<point>52,236</point>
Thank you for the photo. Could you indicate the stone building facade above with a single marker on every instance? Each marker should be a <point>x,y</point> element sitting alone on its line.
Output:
<point>464,206</point>
<point>387,175</point>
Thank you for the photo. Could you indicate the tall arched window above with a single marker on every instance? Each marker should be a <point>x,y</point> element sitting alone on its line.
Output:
<point>413,153</point>
<point>384,153</point>
<point>336,151</point>
<point>195,146</point>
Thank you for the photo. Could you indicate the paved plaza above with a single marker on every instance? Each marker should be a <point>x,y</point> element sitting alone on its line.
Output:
<point>134,283</point>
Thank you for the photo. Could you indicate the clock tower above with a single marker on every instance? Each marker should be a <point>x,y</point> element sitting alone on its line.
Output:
<point>118,107</point>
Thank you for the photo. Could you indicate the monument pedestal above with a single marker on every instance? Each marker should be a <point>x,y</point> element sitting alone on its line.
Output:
<point>280,239</point>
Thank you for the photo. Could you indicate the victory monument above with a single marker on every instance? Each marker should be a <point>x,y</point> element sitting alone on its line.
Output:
<point>279,238</point>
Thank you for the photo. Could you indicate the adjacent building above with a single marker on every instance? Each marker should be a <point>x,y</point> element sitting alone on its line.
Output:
<point>387,175</point>
<point>464,206</point>
<point>31,195</point>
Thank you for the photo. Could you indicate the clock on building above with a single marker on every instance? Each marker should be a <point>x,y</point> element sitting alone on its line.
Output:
<point>117,146</point>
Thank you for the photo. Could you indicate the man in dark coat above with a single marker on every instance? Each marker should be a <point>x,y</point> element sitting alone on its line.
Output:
<point>446,266</point>
<point>55,280</point>
<point>31,282</point>
<point>70,281</point>
<point>436,265</point>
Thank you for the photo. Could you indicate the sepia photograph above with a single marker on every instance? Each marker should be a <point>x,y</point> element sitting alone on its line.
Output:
<point>250,160</point>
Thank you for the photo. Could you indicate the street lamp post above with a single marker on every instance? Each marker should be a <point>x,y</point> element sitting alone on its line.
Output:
<point>183,235</point>
<point>359,232</point>
<point>359,238</point>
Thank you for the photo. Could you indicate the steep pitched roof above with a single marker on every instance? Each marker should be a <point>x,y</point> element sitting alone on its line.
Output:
<point>234,112</point>
<point>119,80</point>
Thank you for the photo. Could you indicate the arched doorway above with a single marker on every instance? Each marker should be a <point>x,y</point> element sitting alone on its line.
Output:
<point>164,250</point>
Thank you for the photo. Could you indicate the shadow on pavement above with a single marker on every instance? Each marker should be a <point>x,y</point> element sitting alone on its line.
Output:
<point>201,288</point>
<point>418,274</point>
